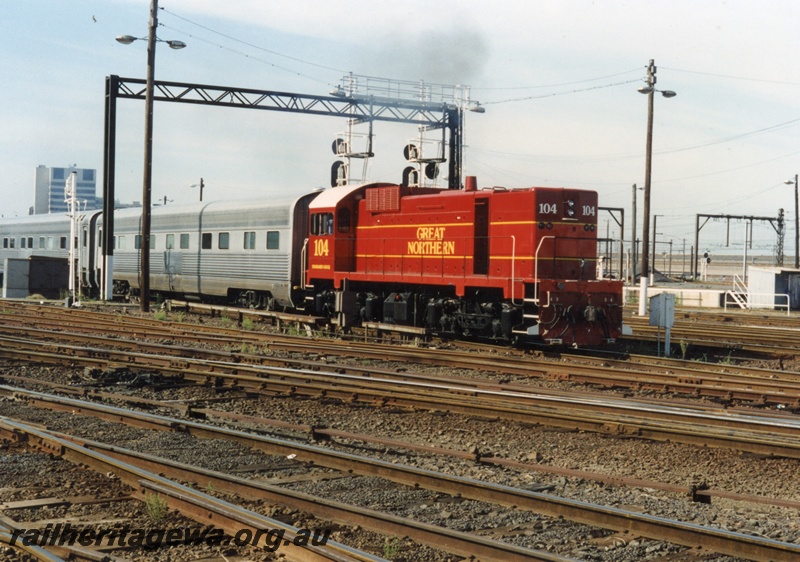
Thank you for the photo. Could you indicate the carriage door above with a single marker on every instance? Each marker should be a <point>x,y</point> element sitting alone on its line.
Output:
<point>480,264</point>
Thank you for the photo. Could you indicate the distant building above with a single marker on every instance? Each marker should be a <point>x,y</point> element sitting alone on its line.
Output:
<point>50,184</point>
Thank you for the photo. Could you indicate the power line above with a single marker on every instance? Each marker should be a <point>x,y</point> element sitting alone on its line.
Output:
<point>559,93</point>
<point>559,84</point>
<point>253,46</point>
<point>728,139</point>
<point>234,51</point>
<point>731,77</point>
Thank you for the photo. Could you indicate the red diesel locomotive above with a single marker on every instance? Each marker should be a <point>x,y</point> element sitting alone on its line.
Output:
<point>510,264</point>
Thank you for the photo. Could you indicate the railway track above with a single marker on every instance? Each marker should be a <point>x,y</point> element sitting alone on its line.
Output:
<point>764,339</point>
<point>764,336</point>
<point>722,382</point>
<point>771,434</point>
<point>205,509</point>
<point>251,363</point>
<point>199,409</point>
<point>717,540</point>
<point>147,473</point>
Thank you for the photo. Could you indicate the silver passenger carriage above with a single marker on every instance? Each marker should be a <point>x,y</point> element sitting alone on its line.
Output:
<point>47,236</point>
<point>243,252</point>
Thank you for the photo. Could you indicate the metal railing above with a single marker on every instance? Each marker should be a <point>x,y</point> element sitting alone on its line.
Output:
<point>740,289</point>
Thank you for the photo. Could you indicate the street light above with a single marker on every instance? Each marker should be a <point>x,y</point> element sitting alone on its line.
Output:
<point>144,246</point>
<point>201,185</point>
<point>650,90</point>
<point>796,223</point>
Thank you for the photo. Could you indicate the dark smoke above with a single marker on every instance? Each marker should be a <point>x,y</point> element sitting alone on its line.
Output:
<point>453,57</point>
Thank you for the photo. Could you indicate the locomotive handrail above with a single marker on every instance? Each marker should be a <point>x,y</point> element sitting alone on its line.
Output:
<point>536,269</point>
<point>304,261</point>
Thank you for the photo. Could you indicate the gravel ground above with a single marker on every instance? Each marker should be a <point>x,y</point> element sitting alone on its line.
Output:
<point>663,462</point>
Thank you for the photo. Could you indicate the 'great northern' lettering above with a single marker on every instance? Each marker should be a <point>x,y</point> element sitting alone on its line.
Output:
<point>430,242</point>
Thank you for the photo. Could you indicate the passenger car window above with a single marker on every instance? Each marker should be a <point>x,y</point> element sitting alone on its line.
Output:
<point>249,240</point>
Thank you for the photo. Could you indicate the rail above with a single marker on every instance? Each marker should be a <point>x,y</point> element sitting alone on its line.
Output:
<point>193,503</point>
<point>657,528</point>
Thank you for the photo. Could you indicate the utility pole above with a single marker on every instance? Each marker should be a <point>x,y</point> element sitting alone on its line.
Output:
<point>653,270</point>
<point>796,223</point>
<point>144,282</point>
<point>650,90</point>
<point>633,239</point>
<point>683,263</point>
<point>651,81</point>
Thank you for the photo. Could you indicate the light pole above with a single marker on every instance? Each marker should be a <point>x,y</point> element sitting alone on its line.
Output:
<point>201,185</point>
<point>144,246</point>
<point>796,223</point>
<point>650,90</point>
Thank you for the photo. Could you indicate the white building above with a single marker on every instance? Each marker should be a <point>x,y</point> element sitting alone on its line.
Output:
<point>50,184</point>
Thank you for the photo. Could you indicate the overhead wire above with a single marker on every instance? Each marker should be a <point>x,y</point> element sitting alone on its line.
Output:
<point>253,46</point>
<point>731,77</point>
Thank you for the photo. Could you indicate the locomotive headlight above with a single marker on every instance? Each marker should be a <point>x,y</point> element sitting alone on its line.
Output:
<point>570,212</point>
<point>570,207</point>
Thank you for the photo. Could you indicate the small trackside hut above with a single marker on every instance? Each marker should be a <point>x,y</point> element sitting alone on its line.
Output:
<point>509,264</point>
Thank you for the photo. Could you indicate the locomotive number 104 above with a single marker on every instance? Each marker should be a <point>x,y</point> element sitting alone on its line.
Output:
<point>552,209</point>
<point>321,247</point>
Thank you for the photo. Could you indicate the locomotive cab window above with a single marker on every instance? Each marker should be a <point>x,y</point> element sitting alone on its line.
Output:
<point>321,224</point>
<point>273,240</point>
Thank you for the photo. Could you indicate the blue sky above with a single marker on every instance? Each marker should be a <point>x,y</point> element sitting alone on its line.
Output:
<point>558,80</point>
